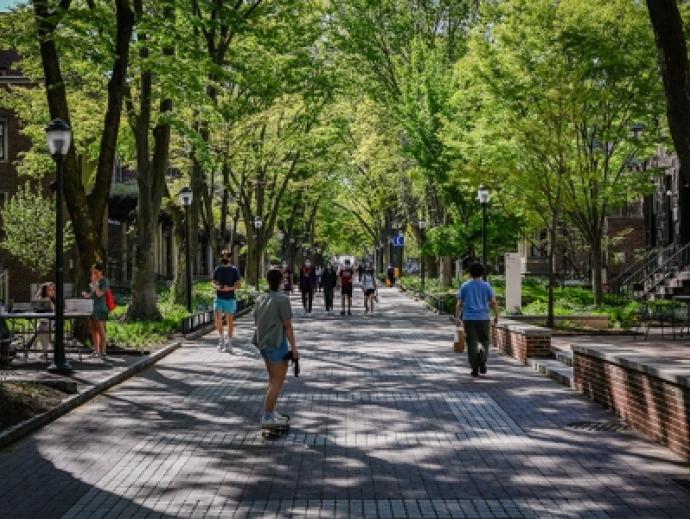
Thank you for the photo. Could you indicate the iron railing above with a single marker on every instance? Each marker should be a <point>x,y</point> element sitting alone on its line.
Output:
<point>196,321</point>
<point>669,268</point>
<point>651,266</point>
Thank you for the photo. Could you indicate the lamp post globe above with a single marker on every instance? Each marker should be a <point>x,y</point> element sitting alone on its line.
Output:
<point>186,196</point>
<point>59,139</point>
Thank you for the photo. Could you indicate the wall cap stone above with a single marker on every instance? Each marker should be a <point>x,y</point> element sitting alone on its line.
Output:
<point>524,328</point>
<point>675,371</point>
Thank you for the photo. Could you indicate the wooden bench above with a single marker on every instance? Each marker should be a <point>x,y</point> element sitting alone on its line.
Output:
<point>521,340</point>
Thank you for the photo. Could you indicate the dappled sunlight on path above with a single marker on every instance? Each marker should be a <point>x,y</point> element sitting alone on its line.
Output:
<point>386,421</point>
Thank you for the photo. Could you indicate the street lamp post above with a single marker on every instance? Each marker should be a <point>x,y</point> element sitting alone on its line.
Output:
<point>422,272</point>
<point>484,196</point>
<point>258,222</point>
<point>59,136</point>
<point>186,196</point>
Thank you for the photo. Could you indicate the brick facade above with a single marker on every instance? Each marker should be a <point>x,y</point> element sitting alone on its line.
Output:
<point>649,404</point>
<point>522,341</point>
<point>627,238</point>
<point>20,278</point>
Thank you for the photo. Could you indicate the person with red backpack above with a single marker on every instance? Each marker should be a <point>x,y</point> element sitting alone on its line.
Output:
<point>99,288</point>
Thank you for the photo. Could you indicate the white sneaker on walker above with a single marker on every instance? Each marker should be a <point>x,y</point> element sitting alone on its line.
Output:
<point>275,422</point>
<point>228,345</point>
<point>221,344</point>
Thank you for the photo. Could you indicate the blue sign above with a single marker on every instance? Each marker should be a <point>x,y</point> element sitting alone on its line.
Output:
<point>398,241</point>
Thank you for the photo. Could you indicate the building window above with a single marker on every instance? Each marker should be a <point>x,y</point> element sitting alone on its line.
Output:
<point>3,140</point>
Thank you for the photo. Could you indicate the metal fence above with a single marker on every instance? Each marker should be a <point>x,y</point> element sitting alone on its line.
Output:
<point>198,320</point>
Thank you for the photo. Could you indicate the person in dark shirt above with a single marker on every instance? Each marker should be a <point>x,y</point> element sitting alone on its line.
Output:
<point>307,284</point>
<point>329,280</point>
<point>360,272</point>
<point>345,278</point>
<point>226,280</point>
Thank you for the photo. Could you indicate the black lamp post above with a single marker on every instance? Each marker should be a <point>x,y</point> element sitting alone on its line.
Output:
<point>186,196</point>
<point>484,196</point>
<point>422,272</point>
<point>59,136</point>
<point>258,222</point>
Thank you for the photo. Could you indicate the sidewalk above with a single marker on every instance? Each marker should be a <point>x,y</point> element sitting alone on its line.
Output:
<point>386,423</point>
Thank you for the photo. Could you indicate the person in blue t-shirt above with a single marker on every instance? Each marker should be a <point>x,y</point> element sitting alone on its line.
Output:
<point>474,299</point>
<point>226,279</point>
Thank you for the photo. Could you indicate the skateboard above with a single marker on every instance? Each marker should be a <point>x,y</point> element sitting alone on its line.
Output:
<point>275,433</point>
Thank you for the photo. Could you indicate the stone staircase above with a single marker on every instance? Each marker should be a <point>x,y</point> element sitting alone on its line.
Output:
<point>559,367</point>
<point>671,277</point>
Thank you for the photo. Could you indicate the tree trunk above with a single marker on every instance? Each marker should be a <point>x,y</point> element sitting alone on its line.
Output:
<point>431,267</point>
<point>446,271</point>
<point>553,242</point>
<point>597,285</point>
<point>151,184</point>
<point>675,71</point>
<point>86,212</point>
<point>179,288</point>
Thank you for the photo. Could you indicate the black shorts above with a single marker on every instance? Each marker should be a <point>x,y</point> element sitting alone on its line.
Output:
<point>346,291</point>
<point>369,292</point>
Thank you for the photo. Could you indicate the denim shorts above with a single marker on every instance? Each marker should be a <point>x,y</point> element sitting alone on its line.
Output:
<point>276,355</point>
<point>226,306</point>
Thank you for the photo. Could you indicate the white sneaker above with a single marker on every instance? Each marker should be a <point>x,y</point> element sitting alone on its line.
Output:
<point>277,422</point>
<point>228,345</point>
<point>221,344</point>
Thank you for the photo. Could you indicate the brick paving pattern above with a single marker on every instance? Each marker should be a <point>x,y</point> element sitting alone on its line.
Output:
<point>386,423</point>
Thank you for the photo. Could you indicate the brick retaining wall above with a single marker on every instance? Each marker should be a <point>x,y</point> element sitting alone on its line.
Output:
<point>652,402</point>
<point>522,341</point>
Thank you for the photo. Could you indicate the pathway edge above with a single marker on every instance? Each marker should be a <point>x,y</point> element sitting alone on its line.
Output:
<point>23,429</point>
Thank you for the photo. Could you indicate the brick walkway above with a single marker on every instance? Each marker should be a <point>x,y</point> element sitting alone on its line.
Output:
<point>387,423</point>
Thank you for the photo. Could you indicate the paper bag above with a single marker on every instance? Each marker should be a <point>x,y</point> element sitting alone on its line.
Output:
<point>459,340</point>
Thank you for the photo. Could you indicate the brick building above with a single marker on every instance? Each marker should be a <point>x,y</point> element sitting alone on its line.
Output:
<point>15,278</point>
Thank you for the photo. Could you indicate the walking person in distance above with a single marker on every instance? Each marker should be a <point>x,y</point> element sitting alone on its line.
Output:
<point>225,280</point>
<point>345,278</point>
<point>474,298</point>
<point>273,319</point>
<point>307,285</point>
<point>370,289</point>
<point>329,280</point>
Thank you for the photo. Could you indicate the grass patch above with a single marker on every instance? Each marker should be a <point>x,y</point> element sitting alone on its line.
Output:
<point>568,301</point>
<point>142,335</point>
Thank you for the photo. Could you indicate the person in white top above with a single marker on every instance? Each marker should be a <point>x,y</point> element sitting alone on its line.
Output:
<point>370,289</point>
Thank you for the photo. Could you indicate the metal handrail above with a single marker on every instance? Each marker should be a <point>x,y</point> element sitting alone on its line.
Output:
<point>679,259</point>
<point>622,278</point>
<point>650,266</point>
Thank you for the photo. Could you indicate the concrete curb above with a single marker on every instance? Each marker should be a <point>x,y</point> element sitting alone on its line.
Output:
<point>22,429</point>
<point>210,327</point>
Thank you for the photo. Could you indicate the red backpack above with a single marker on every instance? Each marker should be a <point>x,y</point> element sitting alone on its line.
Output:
<point>110,300</point>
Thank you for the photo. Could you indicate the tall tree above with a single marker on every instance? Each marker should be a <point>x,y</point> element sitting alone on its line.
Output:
<point>152,158</point>
<point>87,209</point>
<point>669,33</point>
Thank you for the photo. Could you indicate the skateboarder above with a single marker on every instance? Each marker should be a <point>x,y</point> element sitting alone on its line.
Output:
<point>273,319</point>
<point>474,298</point>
